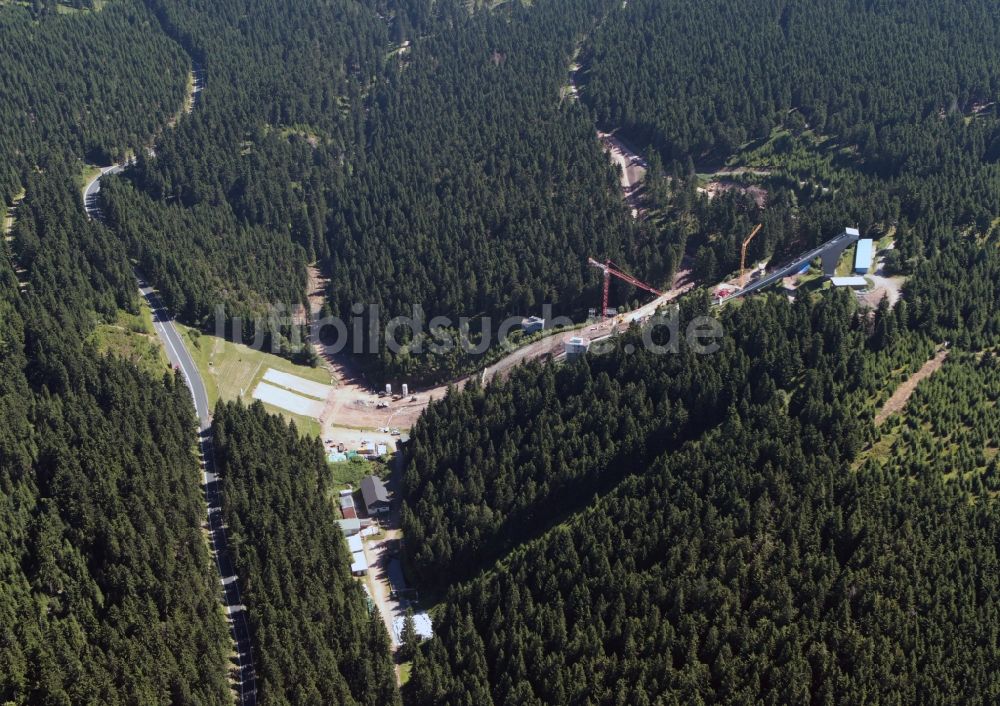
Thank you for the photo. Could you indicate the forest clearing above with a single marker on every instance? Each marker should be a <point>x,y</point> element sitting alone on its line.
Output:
<point>902,394</point>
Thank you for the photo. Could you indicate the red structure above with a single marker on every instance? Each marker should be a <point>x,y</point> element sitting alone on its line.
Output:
<point>610,269</point>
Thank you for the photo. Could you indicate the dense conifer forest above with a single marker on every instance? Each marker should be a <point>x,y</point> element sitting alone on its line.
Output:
<point>636,528</point>
<point>702,78</point>
<point>432,157</point>
<point>628,528</point>
<point>492,467</point>
<point>750,566</point>
<point>109,594</point>
<point>317,642</point>
<point>423,174</point>
<point>93,85</point>
<point>716,528</point>
<point>881,113</point>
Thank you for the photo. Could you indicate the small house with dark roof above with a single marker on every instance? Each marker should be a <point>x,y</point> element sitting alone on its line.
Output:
<point>375,495</point>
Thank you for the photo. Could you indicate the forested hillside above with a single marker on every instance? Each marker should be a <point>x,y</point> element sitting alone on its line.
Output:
<point>223,261</point>
<point>703,77</point>
<point>111,597</point>
<point>109,593</point>
<point>948,428</point>
<point>733,528</point>
<point>629,528</point>
<point>883,113</point>
<point>482,192</point>
<point>490,468</point>
<point>446,174</point>
<point>748,567</point>
<point>240,181</point>
<point>91,85</point>
<point>690,529</point>
<point>317,642</point>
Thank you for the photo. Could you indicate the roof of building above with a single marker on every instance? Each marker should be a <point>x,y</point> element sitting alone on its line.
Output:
<point>349,513</point>
<point>849,281</point>
<point>346,501</point>
<point>358,562</point>
<point>863,253</point>
<point>350,526</point>
<point>852,231</point>
<point>373,490</point>
<point>354,543</point>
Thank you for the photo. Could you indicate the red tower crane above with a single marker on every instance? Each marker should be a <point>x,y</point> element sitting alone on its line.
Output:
<point>609,268</point>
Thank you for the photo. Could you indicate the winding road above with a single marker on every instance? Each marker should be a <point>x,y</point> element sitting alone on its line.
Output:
<point>243,673</point>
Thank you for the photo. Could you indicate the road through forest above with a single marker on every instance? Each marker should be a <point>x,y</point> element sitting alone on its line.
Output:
<point>243,673</point>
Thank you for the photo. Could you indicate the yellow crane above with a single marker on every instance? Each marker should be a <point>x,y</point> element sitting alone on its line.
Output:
<point>743,254</point>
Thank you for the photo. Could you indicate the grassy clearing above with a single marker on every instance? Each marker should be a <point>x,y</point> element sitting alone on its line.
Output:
<point>131,337</point>
<point>404,672</point>
<point>87,173</point>
<point>67,10</point>
<point>812,160</point>
<point>232,371</point>
<point>845,265</point>
<point>307,132</point>
<point>349,473</point>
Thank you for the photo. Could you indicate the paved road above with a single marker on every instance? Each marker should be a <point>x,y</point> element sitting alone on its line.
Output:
<point>244,674</point>
<point>826,251</point>
<point>90,191</point>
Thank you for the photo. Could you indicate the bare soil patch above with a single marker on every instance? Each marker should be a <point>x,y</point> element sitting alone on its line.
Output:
<point>353,411</point>
<point>631,166</point>
<point>902,394</point>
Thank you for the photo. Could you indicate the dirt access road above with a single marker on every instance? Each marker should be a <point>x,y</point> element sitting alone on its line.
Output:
<point>631,166</point>
<point>352,411</point>
<point>385,578</point>
<point>902,394</point>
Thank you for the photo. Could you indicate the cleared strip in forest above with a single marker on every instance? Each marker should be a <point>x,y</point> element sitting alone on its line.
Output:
<point>11,213</point>
<point>902,394</point>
